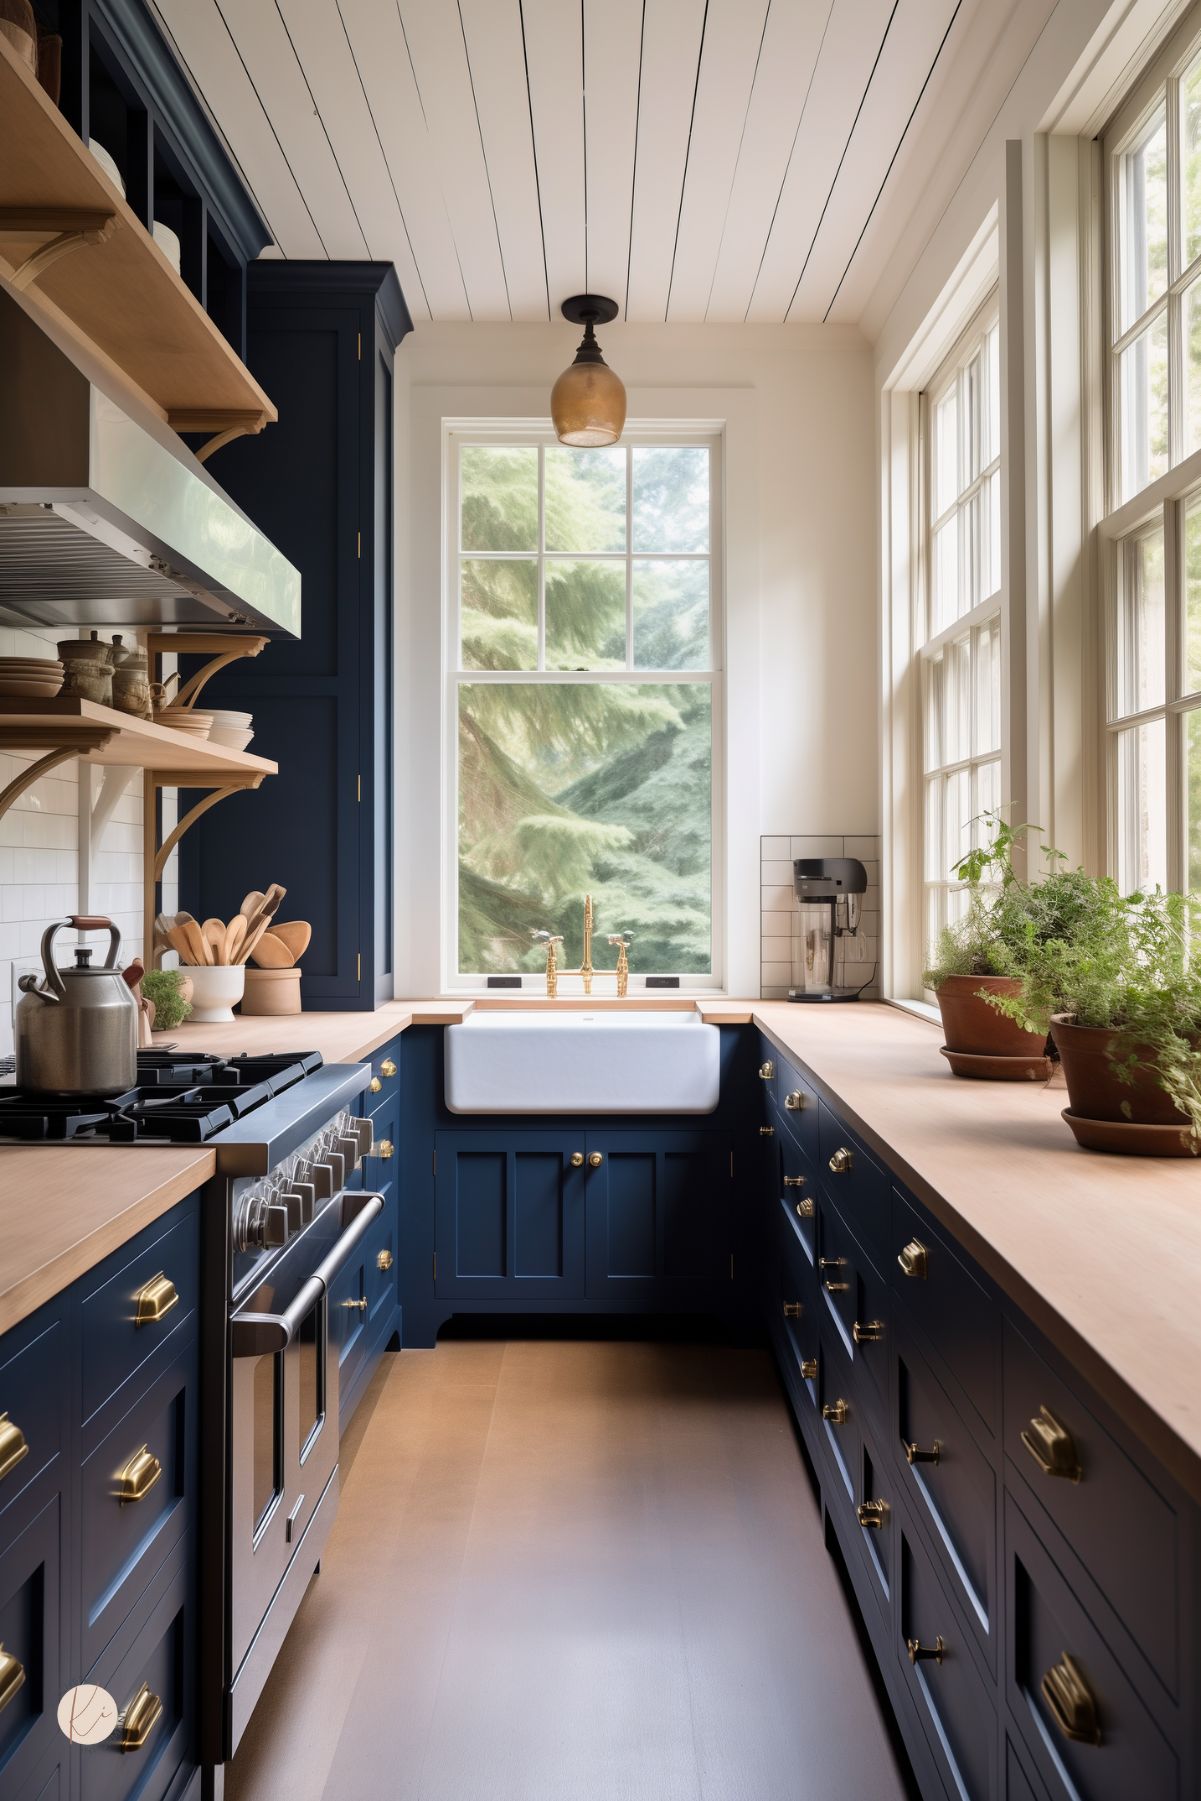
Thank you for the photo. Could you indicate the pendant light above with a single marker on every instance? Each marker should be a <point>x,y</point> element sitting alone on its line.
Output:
<point>588,402</point>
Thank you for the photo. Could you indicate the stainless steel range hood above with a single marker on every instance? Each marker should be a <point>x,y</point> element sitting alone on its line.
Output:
<point>106,518</point>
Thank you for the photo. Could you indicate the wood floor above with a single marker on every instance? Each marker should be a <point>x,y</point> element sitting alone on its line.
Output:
<point>571,1571</point>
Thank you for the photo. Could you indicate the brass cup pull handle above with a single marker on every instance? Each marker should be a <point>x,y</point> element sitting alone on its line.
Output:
<point>595,1159</point>
<point>577,1159</point>
<point>383,1260</point>
<point>766,1071</point>
<point>832,1287</point>
<point>836,1412</point>
<point>835,1287</point>
<point>867,1331</point>
<point>809,1368</point>
<point>359,1306</point>
<point>794,1181</point>
<point>919,1653</point>
<point>915,1453</point>
<point>1072,1703</point>
<point>387,1068</point>
<point>13,1445</point>
<point>1052,1447</point>
<point>914,1260</point>
<point>154,1300</point>
<point>375,1085</point>
<point>804,1208</point>
<point>385,1149</point>
<point>794,1101</point>
<point>767,1131</point>
<point>12,1677</point>
<point>842,1160</point>
<point>872,1515</point>
<point>793,1310</point>
<point>136,1478</point>
<point>139,1719</point>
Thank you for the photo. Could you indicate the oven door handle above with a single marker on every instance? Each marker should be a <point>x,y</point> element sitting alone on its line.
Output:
<point>262,1334</point>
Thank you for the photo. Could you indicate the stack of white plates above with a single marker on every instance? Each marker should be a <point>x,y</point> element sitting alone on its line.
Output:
<point>231,729</point>
<point>30,678</point>
<point>185,719</point>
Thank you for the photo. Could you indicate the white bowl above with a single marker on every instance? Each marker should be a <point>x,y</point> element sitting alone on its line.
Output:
<point>223,716</point>
<point>168,242</point>
<point>231,736</point>
<point>108,163</point>
<point>216,990</point>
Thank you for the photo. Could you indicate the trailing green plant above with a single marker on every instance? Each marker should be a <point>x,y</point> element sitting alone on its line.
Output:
<point>981,941</point>
<point>165,988</point>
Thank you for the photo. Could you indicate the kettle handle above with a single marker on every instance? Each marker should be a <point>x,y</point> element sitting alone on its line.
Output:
<point>79,922</point>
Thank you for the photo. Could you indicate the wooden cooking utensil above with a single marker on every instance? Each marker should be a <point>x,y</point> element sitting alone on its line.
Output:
<point>214,932</point>
<point>179,941</point>
<point>198,946</point>
<point>253,935</point>
<point>251,903</point>
<point>295,933</point>
<point>272,953</point>
<point>232,939</point>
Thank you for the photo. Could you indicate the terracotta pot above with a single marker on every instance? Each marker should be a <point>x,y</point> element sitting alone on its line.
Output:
<point>1093,1087</point>
<point>971,1025</point>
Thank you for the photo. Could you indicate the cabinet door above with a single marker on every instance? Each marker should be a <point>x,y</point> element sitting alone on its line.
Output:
<point>509,1216</point>
<point>659,1226</point>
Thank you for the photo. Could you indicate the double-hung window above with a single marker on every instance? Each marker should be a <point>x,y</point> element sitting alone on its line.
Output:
<point>957,630</point>
<point>583,701</point>
<point>1152,528</point>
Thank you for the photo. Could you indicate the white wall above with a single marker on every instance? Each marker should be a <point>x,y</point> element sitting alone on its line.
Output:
<point>801,593</point>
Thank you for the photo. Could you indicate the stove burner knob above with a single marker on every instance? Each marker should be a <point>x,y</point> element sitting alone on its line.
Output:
<point>306,1194</point>
<point>329,1175</point>
<point>294,1207</point>
<point>364,1135</point>
<point>337,1163</point>
<point>348,1149</point>
<point>272,1225</point>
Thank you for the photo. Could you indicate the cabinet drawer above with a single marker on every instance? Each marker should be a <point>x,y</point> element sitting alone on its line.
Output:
<point>838,1409</point>
<point>1117,1750</point>
<point>114,1344</point>
<point>960,1321</point>
<point>153,1650</point>
<point>951,1696</point>
<point>380,1164</point>
<point>856,1302</point>
<point>951,1488</point>
<point>795,1320</point>
<point>381,1272</point>
<point>348,1302</point>
<point>876,1518</point>
<point>1126,1533</point>
<point>125,1541</point>
<point>385,1071</point>
<point>856,1182</point>
<point>1018,1786</point>
<point>30,1616</point>
<point>33,1387</point>
<point>795,1190</point>
<point>797,1105</point>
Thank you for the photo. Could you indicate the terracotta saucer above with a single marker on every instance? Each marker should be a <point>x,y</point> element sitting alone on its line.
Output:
<point>1129,1137</point>
<point>998,1069</point>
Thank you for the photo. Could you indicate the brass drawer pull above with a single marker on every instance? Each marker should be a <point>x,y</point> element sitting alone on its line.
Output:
<point>919,1653</point>
<point>794,1181</point>
<point>914,1260</point>
<point>804,1207</point>
<point>359,1306</point>
<point>375,1085</point>
<point>1071,1701</point>
<point>793,1310</point>
<point>13,1445</point>
<point>154,1300</point>
<point>766,1071</point>
<point>136,1478</point>
<point>139,1719</point>
<point>867,1331</point>
<point>836,1412</point>
<point>915,1454</point>
<point>385,1149</point>
<point>833,1263</point>
<point>12,1676</point>
<point>767,1131</point>
<point>809,1368</point>
<point>1052,1447</point>
<point>872,1515</point>
<point>842,1160</point>
<point>387,1067</point>
<point>795,1101</point>
<point>383,1260</point>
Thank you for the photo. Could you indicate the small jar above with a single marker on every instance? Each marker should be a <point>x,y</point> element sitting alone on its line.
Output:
<point>131,691</point>
<point>88,681</point>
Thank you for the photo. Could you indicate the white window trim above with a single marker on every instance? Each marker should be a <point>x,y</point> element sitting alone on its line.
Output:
<point>457,433</point>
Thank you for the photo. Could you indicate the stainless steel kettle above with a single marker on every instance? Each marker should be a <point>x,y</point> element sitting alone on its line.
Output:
<point>76,1030</point>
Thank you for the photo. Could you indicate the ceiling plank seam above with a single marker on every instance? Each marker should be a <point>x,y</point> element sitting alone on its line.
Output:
<point>688,151</point>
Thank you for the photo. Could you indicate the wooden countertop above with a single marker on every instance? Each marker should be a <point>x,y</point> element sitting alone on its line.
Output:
<point>1102,1252</point>
<point>63,1208</point>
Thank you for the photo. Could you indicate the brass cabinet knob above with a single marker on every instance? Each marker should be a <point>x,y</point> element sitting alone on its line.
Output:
<point>1072,1703</point>
<point>387,1068</point>
<point>872,1515</point>
<point>794,1101</point>
<point>914,1260</point>
<point>1052,1447</point>
<point>867,1331</point>
<point>135,1480</point>
<point>139,1719</point>
<point>13,1445</point>
<point>836,1412</point>
<point>385,1149</point>
<point>383,1259</point>
<point>595,1159</point>
<point>809,1368</point>
<point>577,1159</point>
<point>805,1207</point>
<point>766,1071</point>
<point>767,1131</point>
<point>793,1310</point>
<point>357,1306</point>
<point>794,1181</point>
<point>919,1653</point>
<point>12,1676</point>
<point>915,1454</point>
<point>376,1085</point>
<point>154,1300</point>
<point>842,1160</point>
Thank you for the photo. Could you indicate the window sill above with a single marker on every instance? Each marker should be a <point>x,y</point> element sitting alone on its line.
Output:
<point>919,1009</point>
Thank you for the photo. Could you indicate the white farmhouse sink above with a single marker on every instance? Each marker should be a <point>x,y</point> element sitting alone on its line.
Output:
<point>569,1062</point>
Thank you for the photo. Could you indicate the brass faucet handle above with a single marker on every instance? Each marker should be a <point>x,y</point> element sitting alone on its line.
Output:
<point>545,938</point>
<point>626,938</point>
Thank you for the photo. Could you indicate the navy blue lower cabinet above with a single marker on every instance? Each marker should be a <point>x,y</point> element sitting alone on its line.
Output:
<point>509,1217</point>
<point>659,1216</point>
<point>31,1568</point>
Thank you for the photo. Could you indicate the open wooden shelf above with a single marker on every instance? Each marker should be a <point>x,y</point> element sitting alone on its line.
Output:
<point>82,259</point>
<point>102,735</point>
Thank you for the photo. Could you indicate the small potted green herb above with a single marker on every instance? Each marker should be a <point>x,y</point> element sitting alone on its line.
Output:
<point>168,990</point>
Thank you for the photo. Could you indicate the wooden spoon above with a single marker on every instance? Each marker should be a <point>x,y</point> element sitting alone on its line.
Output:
<point>254,935</point>
<point>214,932</point>
<point>179,941</point>
<point>295,933</point>
<point>231,944</point>
<point>272,953</point>
<point>251,903</point>
<point>198,944</point>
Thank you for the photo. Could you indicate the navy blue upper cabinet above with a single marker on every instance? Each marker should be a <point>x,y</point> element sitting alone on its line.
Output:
<point>322,338</point>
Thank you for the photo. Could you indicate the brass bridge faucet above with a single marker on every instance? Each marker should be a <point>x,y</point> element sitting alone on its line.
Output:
<point>586,972</point>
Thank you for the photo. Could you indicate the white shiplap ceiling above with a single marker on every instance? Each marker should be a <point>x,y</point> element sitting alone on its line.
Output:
<point>696,159</point>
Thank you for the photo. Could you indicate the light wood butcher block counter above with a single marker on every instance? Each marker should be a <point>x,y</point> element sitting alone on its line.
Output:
<point>63,1208</point>
<point>1102,1252</point>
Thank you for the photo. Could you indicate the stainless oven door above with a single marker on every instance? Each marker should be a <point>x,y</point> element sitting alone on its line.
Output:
<point>284,1409</point>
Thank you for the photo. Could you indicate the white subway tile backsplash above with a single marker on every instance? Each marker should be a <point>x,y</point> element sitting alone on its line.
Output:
<point>774,926</point>
<point>779,874</point>
<point>776,901</point>
<point>776,848</point>
<point>820,846</point>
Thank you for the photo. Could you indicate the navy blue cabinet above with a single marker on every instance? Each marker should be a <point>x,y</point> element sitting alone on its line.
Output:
<point>510,1217</point>
<point>321,339</point>
<point>660,1219</point>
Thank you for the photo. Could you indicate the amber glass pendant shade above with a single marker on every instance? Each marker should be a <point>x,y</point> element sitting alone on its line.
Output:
<point>588,402</point>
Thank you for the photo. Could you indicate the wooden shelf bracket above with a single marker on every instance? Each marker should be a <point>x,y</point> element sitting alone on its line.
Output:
<point>64,228</point>
<point>224,650</point>
<point>155,856</point>
<point>51,757</point>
